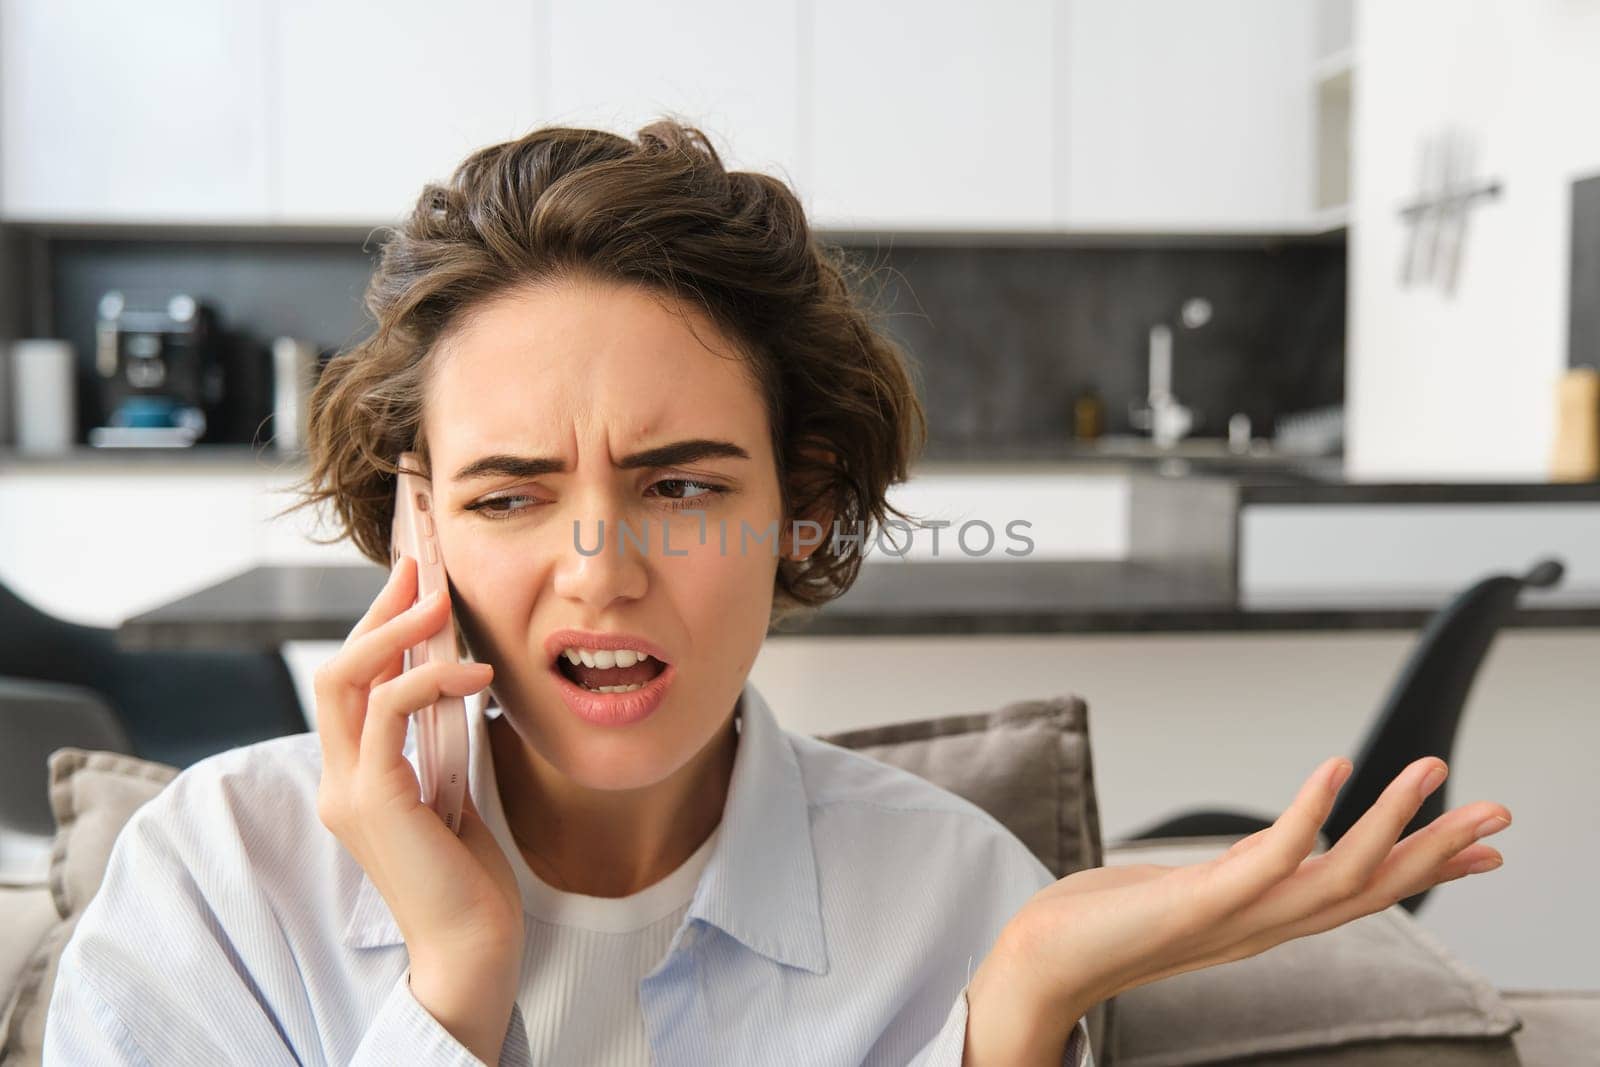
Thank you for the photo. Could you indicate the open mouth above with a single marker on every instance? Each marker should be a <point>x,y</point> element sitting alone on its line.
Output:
<point>608,672</point>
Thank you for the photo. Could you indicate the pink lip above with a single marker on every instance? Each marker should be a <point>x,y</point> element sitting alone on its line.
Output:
<point>608,709</point>
<point>614,709</point>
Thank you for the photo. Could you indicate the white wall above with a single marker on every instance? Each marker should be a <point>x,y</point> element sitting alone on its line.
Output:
<point>1463,387</point>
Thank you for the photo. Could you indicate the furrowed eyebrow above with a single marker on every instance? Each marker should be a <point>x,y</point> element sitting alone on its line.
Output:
<point>670,455</point>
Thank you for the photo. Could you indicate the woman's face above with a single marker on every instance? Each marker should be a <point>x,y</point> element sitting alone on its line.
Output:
<point>586,374</point>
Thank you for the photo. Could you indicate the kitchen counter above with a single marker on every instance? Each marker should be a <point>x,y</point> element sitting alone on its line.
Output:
<point>1126,544</point>
<point>268,605</point>
<point>1121,596</point>
<point>1267,489</point>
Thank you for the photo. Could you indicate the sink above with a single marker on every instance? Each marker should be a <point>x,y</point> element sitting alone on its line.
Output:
<point>1205,449</point>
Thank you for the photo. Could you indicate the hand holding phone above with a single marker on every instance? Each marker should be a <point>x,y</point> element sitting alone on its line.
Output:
<point>452,891</point>
<point>442,725</point>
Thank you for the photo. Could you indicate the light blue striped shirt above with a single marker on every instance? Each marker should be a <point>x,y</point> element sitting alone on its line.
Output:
<point>837,921</point>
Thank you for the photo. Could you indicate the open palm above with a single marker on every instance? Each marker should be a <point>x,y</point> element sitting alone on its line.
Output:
<point>1102,931</point>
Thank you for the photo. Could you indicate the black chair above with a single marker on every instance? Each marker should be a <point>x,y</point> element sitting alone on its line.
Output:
<point>36,718</point>
<point>176,707</point>
<point>1419,718</point>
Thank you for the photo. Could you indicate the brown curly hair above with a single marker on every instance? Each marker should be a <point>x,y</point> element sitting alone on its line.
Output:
<point>659,211</point>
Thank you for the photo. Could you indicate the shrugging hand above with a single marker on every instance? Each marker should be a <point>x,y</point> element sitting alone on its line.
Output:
<point>1102,931</point>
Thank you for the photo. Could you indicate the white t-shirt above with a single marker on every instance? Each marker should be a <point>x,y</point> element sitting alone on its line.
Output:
<point>583,956</point>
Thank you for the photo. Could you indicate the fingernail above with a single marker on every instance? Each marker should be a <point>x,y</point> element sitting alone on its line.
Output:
<point>1493,824</point>
<point>1483,865</point>
<point>1341,774</point>
<point>1431,781</point>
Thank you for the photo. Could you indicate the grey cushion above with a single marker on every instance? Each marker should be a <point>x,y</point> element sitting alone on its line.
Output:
<point>93,794</point>
<point>1374,992</point>
<point>1027,764</point>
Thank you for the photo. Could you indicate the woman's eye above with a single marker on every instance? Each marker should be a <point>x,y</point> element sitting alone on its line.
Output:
<point>677,492</point>
<point>491,508</point>
<point>686,500</point>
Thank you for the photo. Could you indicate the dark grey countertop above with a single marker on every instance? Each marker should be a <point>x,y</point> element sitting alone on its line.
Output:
<point>1267,490</point>
<point>268,605</point>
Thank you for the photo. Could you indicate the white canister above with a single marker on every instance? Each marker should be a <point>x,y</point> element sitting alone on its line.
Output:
<point>43,395</point>
<point>294,374</point>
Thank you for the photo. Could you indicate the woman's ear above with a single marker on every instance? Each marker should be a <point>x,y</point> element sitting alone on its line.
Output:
<point>811,526</point>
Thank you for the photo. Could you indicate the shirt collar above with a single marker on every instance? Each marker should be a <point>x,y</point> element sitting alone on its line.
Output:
<point>760,884</point>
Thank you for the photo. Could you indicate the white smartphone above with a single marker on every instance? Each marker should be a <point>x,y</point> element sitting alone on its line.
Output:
<point>441,726</point>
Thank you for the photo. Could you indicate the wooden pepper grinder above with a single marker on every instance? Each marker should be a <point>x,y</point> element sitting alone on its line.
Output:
<point>1576,455</point>
<point>1088,416</point>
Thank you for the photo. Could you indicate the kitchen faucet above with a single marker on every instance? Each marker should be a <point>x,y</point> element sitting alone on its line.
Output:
<point>1167,420</point>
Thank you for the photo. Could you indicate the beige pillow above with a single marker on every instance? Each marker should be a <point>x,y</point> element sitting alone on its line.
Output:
<point>93,794</point>
<point>1027,764</point>
<point>1376,992</point>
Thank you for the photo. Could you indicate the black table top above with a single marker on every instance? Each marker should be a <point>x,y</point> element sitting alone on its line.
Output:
<point>268,605</point>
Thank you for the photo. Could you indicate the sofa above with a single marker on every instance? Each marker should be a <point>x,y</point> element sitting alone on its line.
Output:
<point>1379,991</point>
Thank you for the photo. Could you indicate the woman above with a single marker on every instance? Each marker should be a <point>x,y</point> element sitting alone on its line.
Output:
<point>579,333</point>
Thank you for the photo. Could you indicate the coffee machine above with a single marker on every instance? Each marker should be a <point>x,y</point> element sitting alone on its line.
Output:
<point>171,376</point>
<point>159,370</point>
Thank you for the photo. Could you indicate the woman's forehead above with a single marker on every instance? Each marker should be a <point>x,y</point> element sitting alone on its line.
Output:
<point>561,367</point>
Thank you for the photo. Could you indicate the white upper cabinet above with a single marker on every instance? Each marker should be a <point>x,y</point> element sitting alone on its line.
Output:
<point>727,66</point>
<point>373,100</point>
<point>149,112</point>
<point>1154,116</point>
<point>934,115</point>
<point>1182,116</point>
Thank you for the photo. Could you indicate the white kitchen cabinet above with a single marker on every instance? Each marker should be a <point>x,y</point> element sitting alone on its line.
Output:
<point>96,539</point>
<point>1389,553</point>
<point>1185,117</point>
<point>1034,115</point>
<point>133,112</point>
<point>373,100</point>
<point>729,67</point>
<point>935,115</point>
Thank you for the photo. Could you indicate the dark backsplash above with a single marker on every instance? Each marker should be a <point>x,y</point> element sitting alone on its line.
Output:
<point>261,288</point>
<point>1003,337</point>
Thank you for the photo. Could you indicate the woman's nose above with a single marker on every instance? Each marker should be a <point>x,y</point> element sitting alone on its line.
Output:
<point>603,558</point>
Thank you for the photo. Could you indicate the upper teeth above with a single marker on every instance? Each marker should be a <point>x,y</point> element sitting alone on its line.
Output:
<point>605,657</point>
